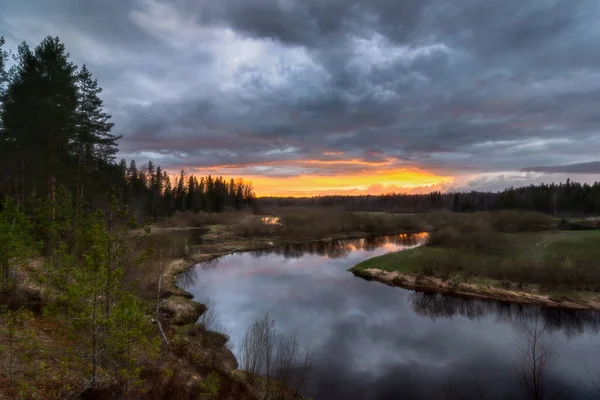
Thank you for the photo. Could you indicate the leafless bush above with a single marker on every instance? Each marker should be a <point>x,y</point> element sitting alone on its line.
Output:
<point>306,224</point>
<point>593,385</point>
<point>264,352</point>
<point>257,347</point>
<point>474,232</point>
<point>210,328</point>
<point>225,334</point>
<point>552,271</point>
<point>292,363</point>
<point>535,356</point>
<point>192,219</point>
<point>209,317</point>
<point>256,227</point>
<point>521,221</point>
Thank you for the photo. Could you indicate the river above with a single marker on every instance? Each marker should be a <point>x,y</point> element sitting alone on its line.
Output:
<point>372,341</point>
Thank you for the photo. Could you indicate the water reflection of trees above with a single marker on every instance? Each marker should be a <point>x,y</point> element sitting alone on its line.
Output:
<point>208,264</point>
<point>569,322</point>
<point>339,248</point>
<point>188,277</point>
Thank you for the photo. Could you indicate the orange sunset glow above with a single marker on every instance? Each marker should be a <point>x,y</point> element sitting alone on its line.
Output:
<point>362,181</point>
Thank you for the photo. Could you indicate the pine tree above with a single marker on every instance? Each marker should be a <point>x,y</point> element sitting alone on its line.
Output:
<point>38,113</point>
<point>93,146</point>
<point>191,193</point>
<point>231,193</point>
<point>210,194</point>
<point>157,191</point>
<point>123,178</point>
<point>169,198</point>
<point>3,58</point>
<point>180,190</point>
<point>6,158</point>
<point>203,204</point>
<point>239,196</point>
<point>456,203</point>
<point>152,187</point>
<point>111,326</point>
<point>3,75</point>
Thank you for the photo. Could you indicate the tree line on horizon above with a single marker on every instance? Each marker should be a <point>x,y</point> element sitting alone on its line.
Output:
<point>54,132</point>
<point>569,198</point>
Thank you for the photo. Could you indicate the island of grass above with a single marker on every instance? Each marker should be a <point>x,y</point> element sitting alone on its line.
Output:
<point>502,256</point>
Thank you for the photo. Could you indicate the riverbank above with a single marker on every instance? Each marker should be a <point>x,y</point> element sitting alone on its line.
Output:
<point>482,290</point>
<point>179,304</point>
<point>552,269</point>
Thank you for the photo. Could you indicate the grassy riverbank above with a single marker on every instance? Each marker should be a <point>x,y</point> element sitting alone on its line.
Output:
<point>555,268</point>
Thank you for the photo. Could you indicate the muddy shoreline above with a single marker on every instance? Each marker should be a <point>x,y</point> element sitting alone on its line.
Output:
<point>472,290</point>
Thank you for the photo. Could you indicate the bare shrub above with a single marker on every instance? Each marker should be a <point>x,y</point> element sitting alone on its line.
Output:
<point>192,219</point>
<point>292,363</point>
<point>264,352</point>
<point>521,221</point>
<point>552,271</point>
<point>472,232</point>
<point>257,347</point>
<point>306,224</point>
<point>256,227</point>
<point>449,262</point>
<point>298,223</point>
<point>224,333</point>
<point>593,384</point>
<point>535,357</point>
<point>209,317</point>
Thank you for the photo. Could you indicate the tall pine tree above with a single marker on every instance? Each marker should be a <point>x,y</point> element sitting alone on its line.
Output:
<point>38,114</point>
<point>5,145</point>
<point>93,146</point>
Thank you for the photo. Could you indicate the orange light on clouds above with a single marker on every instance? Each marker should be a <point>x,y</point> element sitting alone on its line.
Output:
<point>385,181</point>
<point>330,177</point>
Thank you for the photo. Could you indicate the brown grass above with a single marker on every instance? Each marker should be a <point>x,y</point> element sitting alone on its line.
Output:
<point>305,224</point>
<point>192,219</point>
<point>483,230</point>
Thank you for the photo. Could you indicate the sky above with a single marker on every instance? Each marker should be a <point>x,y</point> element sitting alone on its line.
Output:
<point>341,96</point>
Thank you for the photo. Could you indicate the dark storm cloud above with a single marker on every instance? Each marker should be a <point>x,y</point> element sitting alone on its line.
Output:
<point>579,168</point>
<point>316,22</point>
<point>461,87</point>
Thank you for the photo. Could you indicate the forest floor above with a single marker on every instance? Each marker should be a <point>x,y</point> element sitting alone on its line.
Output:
<point>534,257</point>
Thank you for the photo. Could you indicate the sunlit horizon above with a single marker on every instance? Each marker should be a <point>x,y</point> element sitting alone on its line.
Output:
<point>402,180</point>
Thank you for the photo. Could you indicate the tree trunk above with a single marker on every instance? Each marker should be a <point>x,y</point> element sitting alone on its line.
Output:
<point>110,265</point>
<point>22,198</point>
<point>94,337</point>
<point>51,180</point>
<point>79,190</point>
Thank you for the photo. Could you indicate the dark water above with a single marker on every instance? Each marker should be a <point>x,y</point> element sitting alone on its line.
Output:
<point>372,341</point>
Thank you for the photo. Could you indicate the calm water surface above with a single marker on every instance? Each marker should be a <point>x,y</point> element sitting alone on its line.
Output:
<point>372,341</point>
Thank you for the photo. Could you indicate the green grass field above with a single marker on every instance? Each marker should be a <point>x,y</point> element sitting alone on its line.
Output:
<point>523,257</point>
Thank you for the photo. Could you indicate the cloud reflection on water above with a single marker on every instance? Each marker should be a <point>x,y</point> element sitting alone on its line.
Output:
<point>371,341</point>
